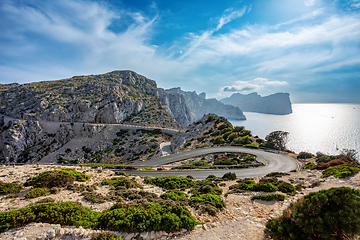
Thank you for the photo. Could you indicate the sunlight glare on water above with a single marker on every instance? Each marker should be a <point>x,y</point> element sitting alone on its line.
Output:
<point>327,128</point>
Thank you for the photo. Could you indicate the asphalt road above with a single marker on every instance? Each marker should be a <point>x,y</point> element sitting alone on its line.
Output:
<point>274,162</point>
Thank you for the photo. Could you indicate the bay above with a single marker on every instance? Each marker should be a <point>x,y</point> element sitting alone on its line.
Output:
<point>326,128</point>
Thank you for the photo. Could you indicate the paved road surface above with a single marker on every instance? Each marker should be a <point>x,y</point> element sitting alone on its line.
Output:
<point>274,162</point>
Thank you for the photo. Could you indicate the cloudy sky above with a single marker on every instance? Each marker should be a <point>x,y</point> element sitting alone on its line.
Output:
<point>309,48</point>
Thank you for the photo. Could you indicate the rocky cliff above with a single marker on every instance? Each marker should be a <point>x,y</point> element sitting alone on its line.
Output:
<point>187,107</point>
<point>106,98</point>
<point>278,103</point>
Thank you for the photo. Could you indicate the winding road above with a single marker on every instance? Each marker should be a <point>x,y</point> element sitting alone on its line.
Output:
<point>274,162</point>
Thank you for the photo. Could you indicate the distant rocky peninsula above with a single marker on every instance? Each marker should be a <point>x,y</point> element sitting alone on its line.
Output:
<point>187,107</point>
<point>278,103</point>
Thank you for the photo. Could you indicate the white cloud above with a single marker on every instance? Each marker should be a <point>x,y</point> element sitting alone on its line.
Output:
<point>309,3</point>
<point>252,86</point>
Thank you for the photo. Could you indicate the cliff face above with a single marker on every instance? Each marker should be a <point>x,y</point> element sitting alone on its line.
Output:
<point>105,98</point>
<point>187,107</point>
<point>278,103</point>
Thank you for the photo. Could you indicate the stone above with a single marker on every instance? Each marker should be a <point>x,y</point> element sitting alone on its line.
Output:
<point>51,234</point>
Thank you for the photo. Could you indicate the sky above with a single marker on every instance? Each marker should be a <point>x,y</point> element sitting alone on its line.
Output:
<point>309,48</point>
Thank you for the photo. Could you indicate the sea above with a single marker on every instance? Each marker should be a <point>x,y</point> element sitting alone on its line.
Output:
<point>326,128</point>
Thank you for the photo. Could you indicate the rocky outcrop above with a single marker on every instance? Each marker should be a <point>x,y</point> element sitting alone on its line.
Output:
<point>26,141</point>
<point>105,98</point>
<point>278,103</point>
<point>187,107</point>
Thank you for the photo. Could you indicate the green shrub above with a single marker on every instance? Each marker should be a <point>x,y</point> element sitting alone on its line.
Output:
<point>309,165</point>
<point>175,195</point>
<point>197,163</point>
<point>204,145</point>
<point>215,200</point>
<point>37,192</point>
<point>13,188</point>
<point>225,125</point>
<point>64,213</point>
<point>327,214</point>
<point>269,197</point>
<point>266,187</point>
<point>229,176</point>
<point>205,187</point>
<point>251,146</point>
<point>224,161</point>
<point>242,140</point>
<point>121,182</point>
<point>286,188</point>
<point>106,236</point>
<point>187,144</point>
<point>51,179</point>
<point>80,177</point>
<point>219,140</point>
<point>276,174</point>
<point>94,197</point>
<point>81,188</point>
<point>341,171</point>
<point>171,182</point>
<point>249,158</point>
<point>146,217</point>
<point>304,155</point>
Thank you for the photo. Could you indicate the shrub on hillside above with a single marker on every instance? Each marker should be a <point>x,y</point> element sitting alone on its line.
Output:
<point>229,176</point>
<point>175,195</point>
<point>64,213</point>
<point>269,197</point>
<point>204,199</point>
<point>51,179</point>
<point>171,182</point>
<point>146,217</point>
<point>341,171</point>
<point>80,177</point>
<point>205,187</point>
<point>286,187</point>
<point>7,188</point>
<point>327,214</point>
<point>106,236</point>
<point>37,192</point>
<point>309,165</point>
<point>121,182</point>
<point>304,155</point>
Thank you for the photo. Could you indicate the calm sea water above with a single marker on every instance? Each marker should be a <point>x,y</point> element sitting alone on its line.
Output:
<point>327,128</point>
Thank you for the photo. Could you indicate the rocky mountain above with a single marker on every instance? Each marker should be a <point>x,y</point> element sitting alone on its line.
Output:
<point>278,103</point>
<point>187,107</point>
<point>113,97</point>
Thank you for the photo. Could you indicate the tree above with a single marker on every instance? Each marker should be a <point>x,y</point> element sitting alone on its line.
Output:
<point>277,139</point>
<point>351,153</point>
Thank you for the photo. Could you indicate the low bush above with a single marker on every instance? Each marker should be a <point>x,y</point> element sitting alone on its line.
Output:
<point>80,177</point>
<point>327,214</point>
<point>250,185</point>
<point>106,236</point>
<point>121,182</point>
<point>205,187</point>
<point>64,213</point>
<point>171,182</point>
<point>309,165</point>
<point>229,176</point>
<point>204,145</point>
<point>187,144</point>
<point>269,197</point>
<point>340,171</point>
<point>175,195</point>
<point>128,218</point>
<point>214,200</point>
<point>146,217</point>
<point>51,179</point>
<point>81,188</point>
<point>37,192</point>
<point>304,155</point>
<point>223,160</point>
<point>13,188</point>
<point>286,188</point>
<point>276,174</point>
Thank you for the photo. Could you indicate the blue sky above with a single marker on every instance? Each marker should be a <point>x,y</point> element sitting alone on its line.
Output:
<point>309,48</point>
